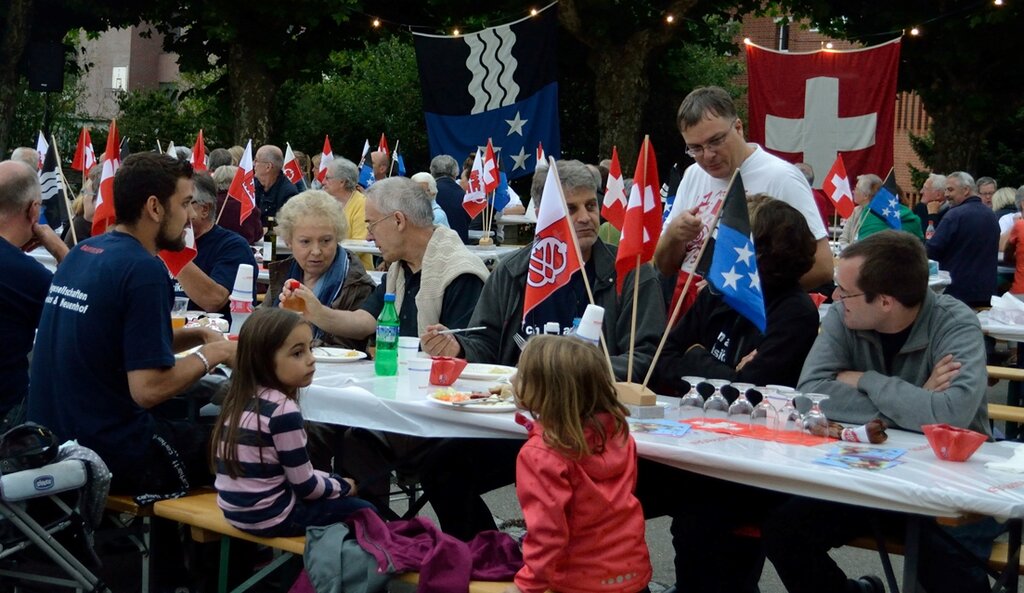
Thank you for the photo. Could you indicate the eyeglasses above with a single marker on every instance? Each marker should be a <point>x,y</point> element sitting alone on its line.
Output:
<point>842,297</point>
<point>369,226</point>
<point>713,145</point>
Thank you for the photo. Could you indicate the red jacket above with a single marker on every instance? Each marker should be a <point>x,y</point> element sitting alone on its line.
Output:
<point>585,528</point>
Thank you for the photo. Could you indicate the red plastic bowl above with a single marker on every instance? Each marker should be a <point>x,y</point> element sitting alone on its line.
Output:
<point>950,443</point>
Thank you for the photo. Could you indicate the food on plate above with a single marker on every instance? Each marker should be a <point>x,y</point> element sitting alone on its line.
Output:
<point>498,371</point>
<point>452,396</point>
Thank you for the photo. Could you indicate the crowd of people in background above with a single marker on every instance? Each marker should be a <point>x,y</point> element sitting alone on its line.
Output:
<point>102,318</point>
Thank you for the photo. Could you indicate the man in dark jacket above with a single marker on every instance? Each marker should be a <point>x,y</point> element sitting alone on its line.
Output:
<point>272,188</point>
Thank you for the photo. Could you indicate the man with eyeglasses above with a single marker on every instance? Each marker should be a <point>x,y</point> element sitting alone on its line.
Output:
<point>713,134</point>
<point>889,348</point>
<point>986,189</point>
<point>272,187</point>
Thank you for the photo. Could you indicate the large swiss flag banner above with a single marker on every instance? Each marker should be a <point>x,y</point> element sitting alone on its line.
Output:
<point>810,107</point>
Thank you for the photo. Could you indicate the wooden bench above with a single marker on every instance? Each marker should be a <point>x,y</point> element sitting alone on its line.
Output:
<point>1006,413</point>
<point>207,523</point>
<point>1006,373</point>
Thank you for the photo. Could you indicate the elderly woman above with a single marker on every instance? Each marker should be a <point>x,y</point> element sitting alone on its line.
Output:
<point>312,224</point>
<point>429,185</point>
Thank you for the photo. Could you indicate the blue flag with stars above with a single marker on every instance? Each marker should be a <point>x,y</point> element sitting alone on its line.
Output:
<point>366,178</point>
<point>501,82</point>
<point>733,270</point>
<point>887,206</point>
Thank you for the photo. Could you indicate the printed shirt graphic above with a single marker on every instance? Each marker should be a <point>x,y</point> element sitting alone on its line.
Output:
<point>501,82</point>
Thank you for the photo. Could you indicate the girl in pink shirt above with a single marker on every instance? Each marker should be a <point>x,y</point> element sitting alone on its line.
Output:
<point>265,482</point>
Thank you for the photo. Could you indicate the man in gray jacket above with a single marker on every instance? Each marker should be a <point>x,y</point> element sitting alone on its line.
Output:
<point>500,309</point>
<point>891,349</point>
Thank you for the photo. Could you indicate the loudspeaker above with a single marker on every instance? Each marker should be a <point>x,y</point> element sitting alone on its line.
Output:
<point>45,63</point>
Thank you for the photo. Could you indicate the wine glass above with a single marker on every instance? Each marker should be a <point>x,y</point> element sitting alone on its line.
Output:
<point>789,418</point>
<point>764,413</point>
<point>717,406</point>
<point>692,404</point>
<point>741,408</point>
<point>814,421</point>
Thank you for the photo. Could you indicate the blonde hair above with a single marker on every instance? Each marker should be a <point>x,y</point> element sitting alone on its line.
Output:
<point>1004,197</point>
<point>565,383</point>
<point>316,204</point>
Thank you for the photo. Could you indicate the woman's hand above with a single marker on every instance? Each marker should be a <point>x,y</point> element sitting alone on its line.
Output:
<point>297,289</point>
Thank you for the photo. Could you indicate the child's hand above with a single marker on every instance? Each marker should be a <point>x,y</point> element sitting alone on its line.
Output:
<point>353,491</point>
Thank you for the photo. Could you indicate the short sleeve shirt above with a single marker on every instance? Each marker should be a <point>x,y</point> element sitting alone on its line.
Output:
<point>23,286</point>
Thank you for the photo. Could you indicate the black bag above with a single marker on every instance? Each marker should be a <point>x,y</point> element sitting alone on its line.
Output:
<point>27,446</point>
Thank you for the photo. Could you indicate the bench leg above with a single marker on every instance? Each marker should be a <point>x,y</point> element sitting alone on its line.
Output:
<point>225,555</point>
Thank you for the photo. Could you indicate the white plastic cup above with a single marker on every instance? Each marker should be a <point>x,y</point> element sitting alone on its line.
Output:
<point>242,290</point>
<point>590,324</point>
<point>408,349</point>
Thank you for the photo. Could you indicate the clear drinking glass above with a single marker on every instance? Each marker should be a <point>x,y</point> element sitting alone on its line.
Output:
<point>741,408</point>
<point>717,406</point>
<point>814,421</point>
<point>692,404</point>
<point>764,413</point>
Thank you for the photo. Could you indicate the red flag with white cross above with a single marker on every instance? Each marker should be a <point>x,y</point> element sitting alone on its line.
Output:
<point>809,107</point>
<point>837,186</point>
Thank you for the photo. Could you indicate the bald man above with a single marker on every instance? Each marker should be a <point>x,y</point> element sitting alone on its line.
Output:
<point>24,283</point>
<point>381,164</point>
<point>272,188</point>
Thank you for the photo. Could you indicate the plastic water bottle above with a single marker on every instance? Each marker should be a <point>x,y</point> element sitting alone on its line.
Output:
<point>385,362</point>
<point>929,231</point>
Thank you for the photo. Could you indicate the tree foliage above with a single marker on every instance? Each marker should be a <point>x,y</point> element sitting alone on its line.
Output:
<point>363,93</point>
<point>176,114</point>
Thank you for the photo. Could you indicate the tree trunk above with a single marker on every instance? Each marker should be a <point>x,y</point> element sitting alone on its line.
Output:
<point>14,38</point>
<point>252,96</point>
<point>621,94</point>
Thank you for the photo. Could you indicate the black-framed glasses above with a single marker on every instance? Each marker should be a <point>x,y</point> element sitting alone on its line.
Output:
<point>713,145</point>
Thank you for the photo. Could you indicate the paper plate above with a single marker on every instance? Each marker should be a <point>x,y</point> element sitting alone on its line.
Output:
<point>452,399</point>
<point>325,354</point>
<point>486,372</point>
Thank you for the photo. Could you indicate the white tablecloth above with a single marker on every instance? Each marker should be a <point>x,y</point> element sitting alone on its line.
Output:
<point>350,394</point>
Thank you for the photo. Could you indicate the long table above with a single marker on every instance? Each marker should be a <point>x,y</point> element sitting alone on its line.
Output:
<point>923,486</point>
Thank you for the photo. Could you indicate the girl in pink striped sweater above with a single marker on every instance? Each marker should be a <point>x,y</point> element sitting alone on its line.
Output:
<point>265,482</point>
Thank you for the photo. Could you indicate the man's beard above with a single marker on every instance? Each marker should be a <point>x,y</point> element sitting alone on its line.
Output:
<point>163,242</point>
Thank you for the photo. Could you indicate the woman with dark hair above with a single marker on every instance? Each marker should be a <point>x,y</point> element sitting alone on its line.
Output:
<point>714,341</point>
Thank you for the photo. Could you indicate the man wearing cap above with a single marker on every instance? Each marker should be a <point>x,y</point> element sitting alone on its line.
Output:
<point>890,348</point>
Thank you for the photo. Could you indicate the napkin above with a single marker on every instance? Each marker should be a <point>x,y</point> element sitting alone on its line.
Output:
<point>1007,309</point>
<point>1013,465</point>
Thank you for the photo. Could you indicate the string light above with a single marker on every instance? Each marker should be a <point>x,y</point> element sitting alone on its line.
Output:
<point>915,32</point>
<point>746,40</point>
<point>670,19</point>
<point>455,32</point>
<point>828,45</point>
<point>533,12</point>
<point>998,2</point>
<point>376,23</point>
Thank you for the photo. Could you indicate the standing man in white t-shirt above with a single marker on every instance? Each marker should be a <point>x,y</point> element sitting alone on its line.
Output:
<point>713,134</point>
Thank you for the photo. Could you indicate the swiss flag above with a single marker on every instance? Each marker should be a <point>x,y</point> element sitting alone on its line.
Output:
<point>242,187</point>
<point>490,169</point>
<point>475,199</point>
<point>291,165</point>
<point>554,257</point>
<point>382,146</point>
<point>85,154</point>
<point>540,153</point>
<point>613,209</point>
<point>105,214</point>
<point>837,186</point>
<point>641,226</point>
<point>811,106</point>
<point>177,260</point>
<point>199,153</point>
<point>326,156</point>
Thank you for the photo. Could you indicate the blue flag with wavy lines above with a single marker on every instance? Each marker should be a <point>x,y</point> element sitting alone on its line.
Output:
<point>499,83</point>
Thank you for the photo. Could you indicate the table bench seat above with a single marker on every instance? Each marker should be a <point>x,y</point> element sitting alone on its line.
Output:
<point>201,513</point>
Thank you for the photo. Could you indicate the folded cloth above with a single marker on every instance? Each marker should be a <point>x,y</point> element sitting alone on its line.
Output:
<point>1014,464</point>
<point>1007,309</point>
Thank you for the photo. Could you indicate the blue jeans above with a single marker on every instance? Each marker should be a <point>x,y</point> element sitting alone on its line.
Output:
<point>324,511</point>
